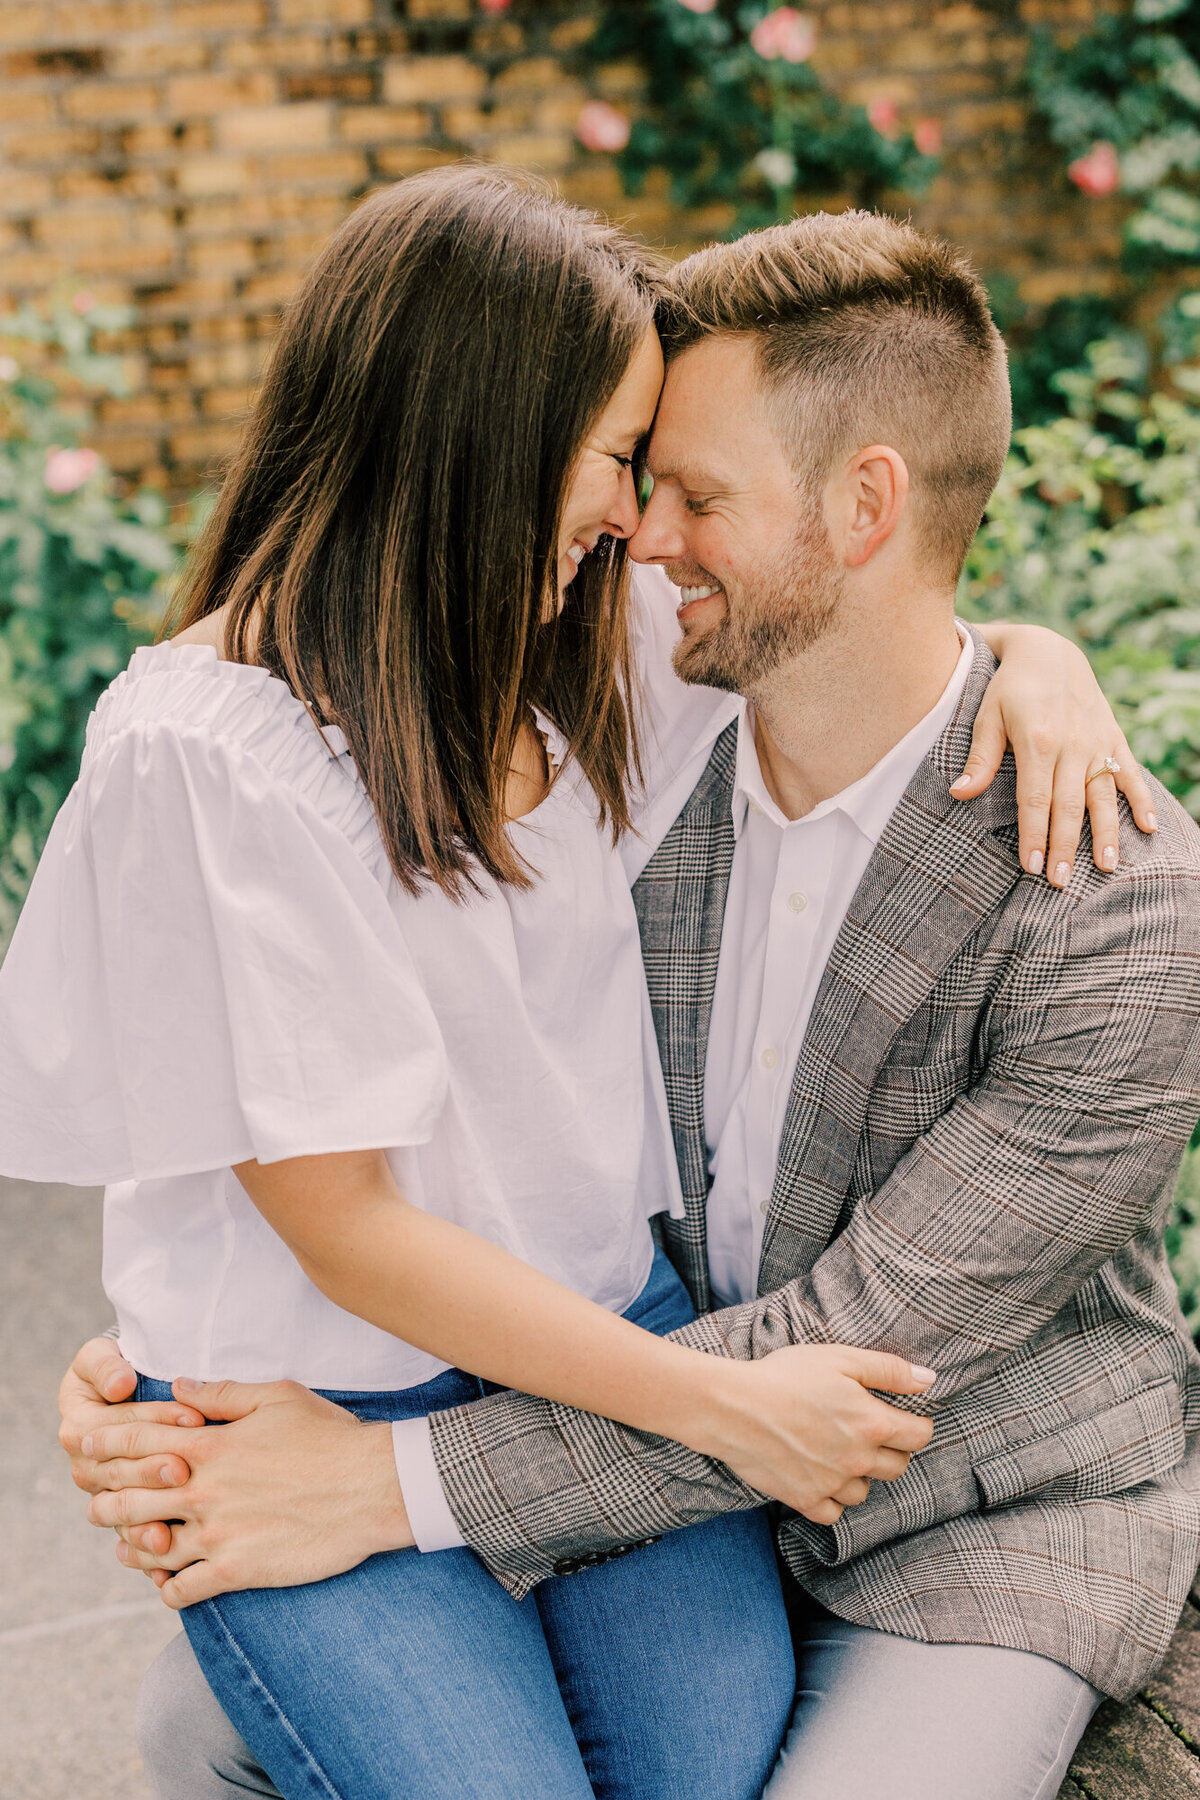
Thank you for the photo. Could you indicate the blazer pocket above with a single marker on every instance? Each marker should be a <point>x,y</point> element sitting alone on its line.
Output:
<point>1111,1450</point>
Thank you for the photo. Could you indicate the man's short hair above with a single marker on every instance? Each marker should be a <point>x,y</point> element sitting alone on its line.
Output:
<point>868,333</point>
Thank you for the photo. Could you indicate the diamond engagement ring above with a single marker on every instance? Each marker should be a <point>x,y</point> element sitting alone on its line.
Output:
<point>1110,766</point>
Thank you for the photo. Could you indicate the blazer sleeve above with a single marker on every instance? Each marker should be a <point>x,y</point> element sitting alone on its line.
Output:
<point>1061,1153</point>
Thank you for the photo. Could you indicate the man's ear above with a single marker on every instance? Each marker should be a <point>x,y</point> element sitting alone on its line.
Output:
<point>874,486</point>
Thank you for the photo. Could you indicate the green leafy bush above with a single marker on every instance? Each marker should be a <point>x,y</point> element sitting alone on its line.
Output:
<point>83,573</point>
<point>1095,530</point>
<point>1123,100</point>
<point>736,116</point>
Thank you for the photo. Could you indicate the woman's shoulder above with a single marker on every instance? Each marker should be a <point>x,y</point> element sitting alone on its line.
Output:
<point>233,718</point>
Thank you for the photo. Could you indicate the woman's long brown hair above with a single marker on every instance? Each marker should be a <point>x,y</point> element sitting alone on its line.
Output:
<point>387,538</point>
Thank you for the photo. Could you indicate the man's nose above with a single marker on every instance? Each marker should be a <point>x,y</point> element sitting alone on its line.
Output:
<point>659,538</point>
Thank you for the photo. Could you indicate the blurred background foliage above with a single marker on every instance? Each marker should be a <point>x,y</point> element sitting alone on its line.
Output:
<point>1094,529</point>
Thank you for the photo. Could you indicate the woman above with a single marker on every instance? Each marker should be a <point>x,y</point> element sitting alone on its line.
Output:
<point>348,1009</point>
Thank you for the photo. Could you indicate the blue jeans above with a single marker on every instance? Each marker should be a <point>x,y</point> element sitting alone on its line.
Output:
<point>666,1674</point>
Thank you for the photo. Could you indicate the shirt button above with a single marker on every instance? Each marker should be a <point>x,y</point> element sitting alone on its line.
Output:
<point>769,1058</point>
<point>797,902</point>
<point>762,1207</point>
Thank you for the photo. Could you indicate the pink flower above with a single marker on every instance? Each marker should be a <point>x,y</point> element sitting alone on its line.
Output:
<point>83,303</point>
<point>700,6</point>
<point>67,470</point>
<point>1099,172</point>
<point>601,127</point>
<point>927,136</point>
<point>787,33</point>
<point>884,115</point>
<point>10,368</point>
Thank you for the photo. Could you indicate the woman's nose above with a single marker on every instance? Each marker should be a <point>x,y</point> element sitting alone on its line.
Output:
<point>622,521</point>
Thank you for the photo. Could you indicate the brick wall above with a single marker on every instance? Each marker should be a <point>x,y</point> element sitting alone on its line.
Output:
<point>189,156</point>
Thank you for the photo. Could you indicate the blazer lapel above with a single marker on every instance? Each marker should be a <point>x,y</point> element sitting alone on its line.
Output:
<point>936,874</point>
<point>680,900</point>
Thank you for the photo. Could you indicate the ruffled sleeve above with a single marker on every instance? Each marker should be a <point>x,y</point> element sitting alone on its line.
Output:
<point>208,968</point>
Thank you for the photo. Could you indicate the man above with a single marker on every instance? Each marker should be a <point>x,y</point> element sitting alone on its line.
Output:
<point>920,1103</point>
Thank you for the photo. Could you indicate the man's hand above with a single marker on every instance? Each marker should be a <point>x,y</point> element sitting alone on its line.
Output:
<point>294,1489</point>
<point>801,1425</point>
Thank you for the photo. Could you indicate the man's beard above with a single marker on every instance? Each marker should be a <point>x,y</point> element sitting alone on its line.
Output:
<point>794,604</point>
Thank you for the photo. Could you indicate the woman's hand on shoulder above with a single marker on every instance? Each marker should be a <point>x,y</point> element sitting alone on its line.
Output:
<point>1045,701</point>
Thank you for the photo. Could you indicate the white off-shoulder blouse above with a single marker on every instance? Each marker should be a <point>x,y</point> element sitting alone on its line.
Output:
<point>216,962</point>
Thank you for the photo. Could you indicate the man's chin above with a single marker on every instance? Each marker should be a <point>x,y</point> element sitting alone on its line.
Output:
<point>702,663</point>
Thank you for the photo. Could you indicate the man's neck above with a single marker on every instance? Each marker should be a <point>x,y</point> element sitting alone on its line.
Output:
<point>825,719</point>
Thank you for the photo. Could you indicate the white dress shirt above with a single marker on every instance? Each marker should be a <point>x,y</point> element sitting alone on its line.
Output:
<point>790,888</point>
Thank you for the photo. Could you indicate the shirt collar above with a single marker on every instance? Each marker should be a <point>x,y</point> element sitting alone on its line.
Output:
<point>870,801</point>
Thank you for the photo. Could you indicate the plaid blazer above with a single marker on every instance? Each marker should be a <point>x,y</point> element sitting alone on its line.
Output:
<point>979,1149</point>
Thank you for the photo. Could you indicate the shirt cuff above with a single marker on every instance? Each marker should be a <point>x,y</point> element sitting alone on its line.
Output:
<point>433,1524</point>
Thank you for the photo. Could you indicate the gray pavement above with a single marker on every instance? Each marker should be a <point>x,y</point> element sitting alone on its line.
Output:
<point>76,1629</point>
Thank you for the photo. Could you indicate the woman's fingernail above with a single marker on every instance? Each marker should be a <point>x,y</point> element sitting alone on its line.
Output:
<point>124,1553</point>
<point>920,1374</point>
<point>1062,873</point>
<point>88,1445</point>
<point>1151,821</point>
<point>166,1475</point>
<point>1036,863</point>
<point>112,1384</point>
<point>962,782</point>
<point>188,1385</point>
<point>1109,857</point>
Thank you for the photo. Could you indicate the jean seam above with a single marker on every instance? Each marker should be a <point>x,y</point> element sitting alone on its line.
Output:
<point>307,1760</point>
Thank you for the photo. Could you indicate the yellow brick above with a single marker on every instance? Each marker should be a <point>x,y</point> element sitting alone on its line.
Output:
<point>276,127</point>
<point>138,260</point>
<point>212,175</point>
<point>22,24</point>
<point>572,33</point>
<point>109,100</point>
<point>31,108</point>
<point>291,50</point>
<point>208,16</point>
<point>324,12</point>
<point>102,22</point>
<point>432,78</point>
<point>962,18</point>
<point>191,298</point>
<point>159,56</point>
<point>90,184</point>
<point>465,123</point>
<point>128,452</point>
<point>620,81</point>
<point>228,402</point>
<point>898,88</point>
<point>533,150</point>
<point>34,268</point>
<point>274,288</point>
<point>560,113</point>
<point>204,94</point>
<point>382,124</point>
<point>221,256</point>
<point>22,192</point>
<point>399,162</point>
<point>337,168</point>
<point>176,142</point>
<point>532,75</point>
<point>66,227</point>
<point>203,443</point>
